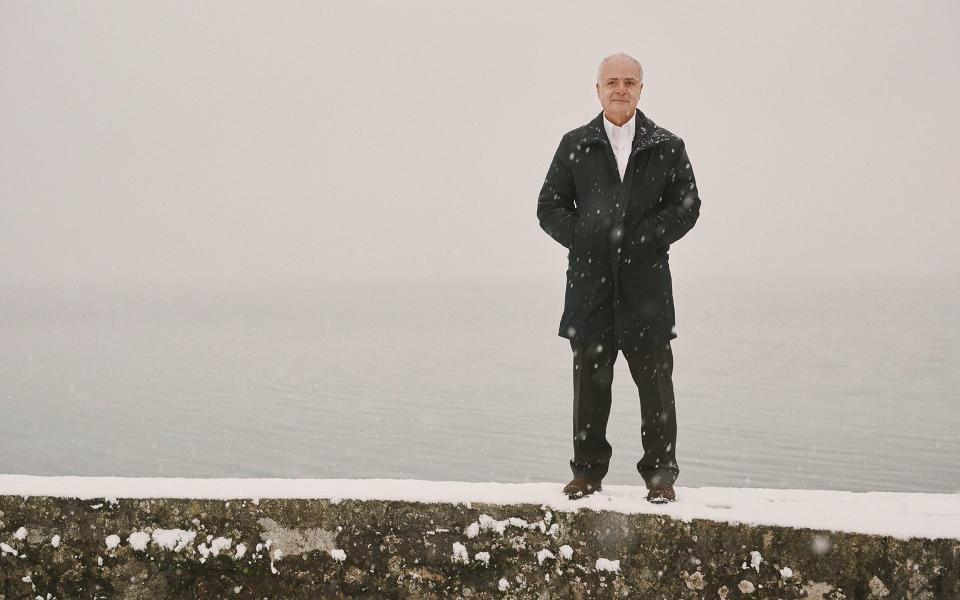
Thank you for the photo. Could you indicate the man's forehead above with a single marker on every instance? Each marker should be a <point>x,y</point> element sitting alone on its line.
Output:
<point>615,69</point>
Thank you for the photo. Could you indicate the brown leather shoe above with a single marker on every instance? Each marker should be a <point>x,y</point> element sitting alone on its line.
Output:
<point>662,493</point>
<point>581,486</point>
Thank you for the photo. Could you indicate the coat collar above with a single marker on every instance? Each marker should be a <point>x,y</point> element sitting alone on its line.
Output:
<point>647,134</point>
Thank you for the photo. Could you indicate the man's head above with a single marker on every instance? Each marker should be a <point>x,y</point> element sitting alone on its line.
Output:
<point>619,82</point>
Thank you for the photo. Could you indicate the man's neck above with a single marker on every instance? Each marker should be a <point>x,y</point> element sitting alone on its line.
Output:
<point>619,121</point>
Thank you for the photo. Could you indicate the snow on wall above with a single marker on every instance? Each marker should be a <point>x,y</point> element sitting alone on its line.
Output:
<point>898,514</point>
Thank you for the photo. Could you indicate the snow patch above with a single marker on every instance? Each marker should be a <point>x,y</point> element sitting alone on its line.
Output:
<point>487,523</point>
<point>611,566</point>
<point>219,545</point>
<point>139,540</point>
<point>173,539</point>
<point>544,555</point>
<point>460,554</point>
<point>755,560</point>
<point>275,556</point>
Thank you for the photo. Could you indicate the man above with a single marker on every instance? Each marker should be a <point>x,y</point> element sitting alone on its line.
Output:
<point>619,192</point>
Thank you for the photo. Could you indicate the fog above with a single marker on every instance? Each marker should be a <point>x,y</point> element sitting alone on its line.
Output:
<point>300,239</point>
<point>209,143</point>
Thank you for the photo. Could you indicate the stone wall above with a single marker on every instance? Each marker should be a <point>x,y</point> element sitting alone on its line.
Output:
<point>198,549</point>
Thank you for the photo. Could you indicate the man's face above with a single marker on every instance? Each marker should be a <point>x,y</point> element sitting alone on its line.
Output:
<point>619,89</point>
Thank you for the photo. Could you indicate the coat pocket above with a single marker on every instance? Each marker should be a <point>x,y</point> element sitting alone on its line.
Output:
<point>639,249</point>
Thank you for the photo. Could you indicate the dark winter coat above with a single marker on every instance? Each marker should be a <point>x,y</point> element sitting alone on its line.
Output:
<point>618,234</point>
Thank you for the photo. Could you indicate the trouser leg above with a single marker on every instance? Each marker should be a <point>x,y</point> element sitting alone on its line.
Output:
<point>652,371</point>
<point>592,380</point>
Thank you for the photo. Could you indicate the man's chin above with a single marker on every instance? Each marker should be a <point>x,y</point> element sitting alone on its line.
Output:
<point>620,111</point>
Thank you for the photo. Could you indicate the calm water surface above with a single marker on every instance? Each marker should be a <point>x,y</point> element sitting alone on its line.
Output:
<point>785,384</point>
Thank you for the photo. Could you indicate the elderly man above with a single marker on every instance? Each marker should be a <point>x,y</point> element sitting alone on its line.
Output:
<point>619,192</point>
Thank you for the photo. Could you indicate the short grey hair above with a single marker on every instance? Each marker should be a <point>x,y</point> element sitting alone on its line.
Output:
<point>623,55</point>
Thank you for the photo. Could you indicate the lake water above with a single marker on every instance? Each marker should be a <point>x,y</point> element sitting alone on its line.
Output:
<point>779,383</point>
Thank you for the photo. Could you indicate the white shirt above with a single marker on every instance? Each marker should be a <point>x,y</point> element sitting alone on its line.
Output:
<point>621,139</point>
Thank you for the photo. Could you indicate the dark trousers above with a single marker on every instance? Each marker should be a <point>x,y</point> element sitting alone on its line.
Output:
<point>652,371</point>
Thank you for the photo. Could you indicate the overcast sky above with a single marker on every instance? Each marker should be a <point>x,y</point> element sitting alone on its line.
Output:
<point>205,142</point>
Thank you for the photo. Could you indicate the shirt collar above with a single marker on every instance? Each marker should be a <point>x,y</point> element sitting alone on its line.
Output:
<point>614,133</point>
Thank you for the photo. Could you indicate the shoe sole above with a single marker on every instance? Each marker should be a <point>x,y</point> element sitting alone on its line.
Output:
<point>579,495</point>
<point>661,500</point>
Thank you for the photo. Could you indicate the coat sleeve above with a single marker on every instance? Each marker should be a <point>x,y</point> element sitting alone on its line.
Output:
<point>556,209</point>
<point>681,204</point>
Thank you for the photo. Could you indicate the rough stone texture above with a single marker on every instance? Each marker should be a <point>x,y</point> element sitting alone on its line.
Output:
<point>374,549</point>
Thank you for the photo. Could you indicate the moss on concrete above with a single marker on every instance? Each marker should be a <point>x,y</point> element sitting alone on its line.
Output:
<point>379,549</point>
